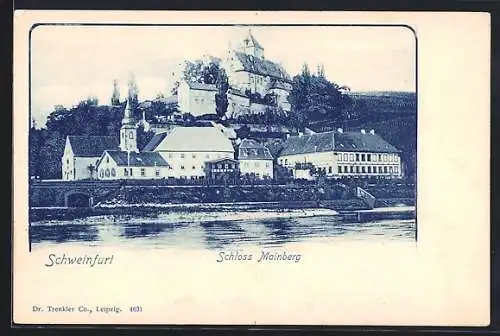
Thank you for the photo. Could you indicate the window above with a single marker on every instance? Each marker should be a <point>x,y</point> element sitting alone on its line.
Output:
<point>143,172</point>
<point>125,171</point>
<point>339,157</point>
<point>101,172</point>
<point>207,156</point>
<point>182,167</point>
<point>113,172</point>
<point>183,155</point>
<point>245,164</point>
<point>267,164</point>
<point>193,167</point>
<point>286,161</point>
<point>385,157</point>
<point>374,169</point>
<point>131,172</point>
<point>390,169</point>
<point>345,169</point>
<point>363,170</point>
<point>380,157</point>
<point>131,135</point>
<point>107,159</point>
<point>170,155</point>
<point>368,157</point>
<point>369,169</point>
<point>226,166</point>
<point>357,157</point>
<point>346,157</point>
<point>385,169</point>
<point>397,158</point>
<point>339,168</point>
<point>157,172</point>
<point>194,156</point>
<point>351,157</point>
<point>67,161</point>
<point>351,169</point>
<point>374,157</point>
<point>219,165</point>
<point>380,169</point>
<point>362,157</point>
<point>396,169</point>
<point>357,169</point>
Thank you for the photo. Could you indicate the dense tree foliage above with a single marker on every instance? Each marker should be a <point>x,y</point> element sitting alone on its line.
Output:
<point>315,98</point>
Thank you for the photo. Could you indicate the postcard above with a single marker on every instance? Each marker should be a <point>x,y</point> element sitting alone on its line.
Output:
<point>251,168</point>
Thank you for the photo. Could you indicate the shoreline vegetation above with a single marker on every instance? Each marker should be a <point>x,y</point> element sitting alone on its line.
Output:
<point>206,211</point>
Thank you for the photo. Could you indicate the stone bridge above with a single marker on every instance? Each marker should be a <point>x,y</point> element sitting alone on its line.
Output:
<point>70,193</point>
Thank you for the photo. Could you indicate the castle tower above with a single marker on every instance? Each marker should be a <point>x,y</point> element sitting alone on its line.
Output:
<point>252,47</point>
<point>128,131</point>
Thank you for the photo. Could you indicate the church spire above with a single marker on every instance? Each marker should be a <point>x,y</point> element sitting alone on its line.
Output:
<point>128,131</point>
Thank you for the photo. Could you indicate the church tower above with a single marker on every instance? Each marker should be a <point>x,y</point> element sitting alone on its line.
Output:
<point>128,131</point>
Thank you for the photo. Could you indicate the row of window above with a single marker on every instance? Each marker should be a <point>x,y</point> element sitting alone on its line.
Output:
<point>194,156</point>
<point>202,100</point>
<point>256,164</point>
<point>367,157</point>
<point>368,169</point>
<point>126,172</point>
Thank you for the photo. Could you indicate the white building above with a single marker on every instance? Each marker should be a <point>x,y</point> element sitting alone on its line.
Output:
<point>343,154</point>
<point>186,149</point>
<point>196,98</point>
<point>81,153</point>
<point>255,159</point>
<point>249,73</point>
<point>247,69</point>
<point>131,165</point>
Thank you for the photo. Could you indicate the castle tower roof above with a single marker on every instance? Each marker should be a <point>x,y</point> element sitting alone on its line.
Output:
<point>251,41</point>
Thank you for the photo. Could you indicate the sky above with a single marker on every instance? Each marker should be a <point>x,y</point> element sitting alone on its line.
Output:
<point>70,63</point>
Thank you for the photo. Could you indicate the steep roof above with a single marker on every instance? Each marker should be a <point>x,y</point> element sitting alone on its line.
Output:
<point>262,67</point>
<point>154,142</point>
<point>202,86</point>
<point>191,139</point>
<point>92,146</point>
<point>142,159</point>
<point>252,150</point>
<point>252,41</point>
<point>329,141</point>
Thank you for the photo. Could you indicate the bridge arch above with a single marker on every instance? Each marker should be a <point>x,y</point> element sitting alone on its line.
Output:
<point>78,199</point>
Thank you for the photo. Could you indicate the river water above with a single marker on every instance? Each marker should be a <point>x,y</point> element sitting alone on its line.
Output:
<point>222,232</point>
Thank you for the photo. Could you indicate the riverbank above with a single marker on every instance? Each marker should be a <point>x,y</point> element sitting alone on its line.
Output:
<point>153,210</point>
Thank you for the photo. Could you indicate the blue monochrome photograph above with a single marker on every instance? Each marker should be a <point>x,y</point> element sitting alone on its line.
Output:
<point>221,137</point>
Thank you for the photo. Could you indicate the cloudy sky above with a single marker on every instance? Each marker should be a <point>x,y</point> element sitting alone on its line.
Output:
<point>69,63</point>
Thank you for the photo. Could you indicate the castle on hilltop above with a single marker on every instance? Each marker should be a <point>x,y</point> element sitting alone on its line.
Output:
<point>255,84</point>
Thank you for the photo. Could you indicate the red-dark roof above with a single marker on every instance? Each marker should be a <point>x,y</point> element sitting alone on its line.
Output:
<point>92,146</point>
<point>252,150</point>
<point>329,141</point>
<point>262,67</point>
<point>142,159</point>
<point>154,142</point>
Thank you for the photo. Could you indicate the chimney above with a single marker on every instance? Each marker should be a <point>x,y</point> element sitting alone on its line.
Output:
<point>363,131</point>
<point>372,132</point>
<point>340,130</point>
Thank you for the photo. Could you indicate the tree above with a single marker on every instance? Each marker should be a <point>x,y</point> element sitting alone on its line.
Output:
<point>314,98</point>
<point>115,97</point>
<point>200,72</point>
<point>133,91</point>
<point>221,101</point>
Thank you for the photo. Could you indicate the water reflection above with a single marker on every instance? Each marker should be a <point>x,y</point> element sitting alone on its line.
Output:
<point>218,234</point>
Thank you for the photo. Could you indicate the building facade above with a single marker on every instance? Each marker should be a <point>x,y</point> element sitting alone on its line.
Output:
<point>222,170</point>
<point>255,159</point>
<point>131,165</point>
<point>343,154</point>
<point>81,154</point>
<point>196,98</point>
<point>187,149</point>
